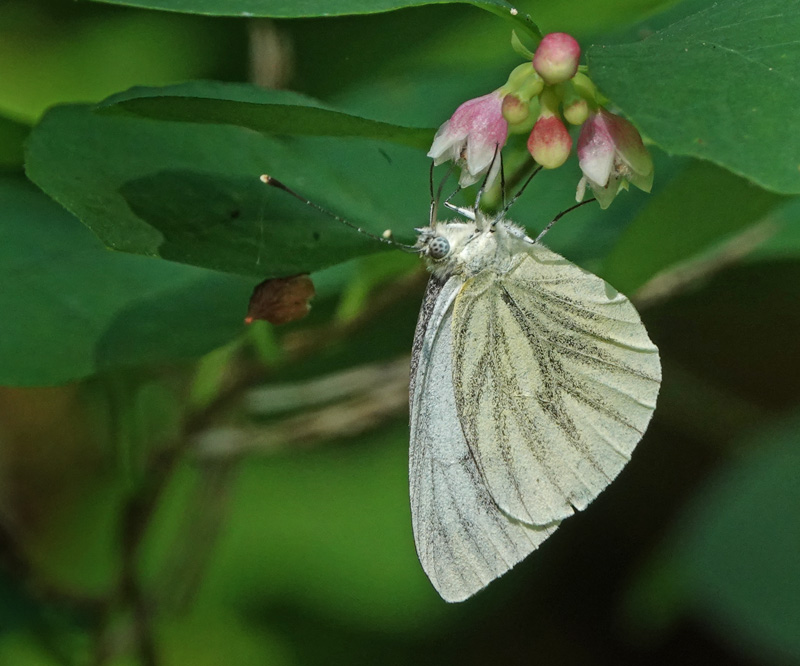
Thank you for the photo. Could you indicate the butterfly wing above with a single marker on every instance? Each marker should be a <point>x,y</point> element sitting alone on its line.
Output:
<point>464,541</point>
<point>555,382</point>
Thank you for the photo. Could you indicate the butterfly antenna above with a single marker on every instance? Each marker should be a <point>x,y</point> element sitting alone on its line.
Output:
<point>434,200</point>
<point>466,212</point>
<point>274,182</point>
<point>560,215</point>
<point>452,194</point>
<point>437,196</point>
<point>513,199</point>
<point>502,184</point>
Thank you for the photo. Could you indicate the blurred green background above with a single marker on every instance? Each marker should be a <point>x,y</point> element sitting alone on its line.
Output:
<point>177,488</point>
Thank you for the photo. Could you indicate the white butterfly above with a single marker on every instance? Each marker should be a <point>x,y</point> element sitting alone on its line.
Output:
<point>532,381</point>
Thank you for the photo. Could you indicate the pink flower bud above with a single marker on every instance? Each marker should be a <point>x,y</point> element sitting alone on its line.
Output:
<point>556,58</point>
<point>472,137</point>
<point>549,142</point>
<point>515,111</point>
<point>611,155</point>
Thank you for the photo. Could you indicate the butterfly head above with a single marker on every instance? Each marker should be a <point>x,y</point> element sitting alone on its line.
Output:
<point>441,245</point>
<point>469,247</point>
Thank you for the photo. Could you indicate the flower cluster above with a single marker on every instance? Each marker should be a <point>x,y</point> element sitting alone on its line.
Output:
<point>542,97</point>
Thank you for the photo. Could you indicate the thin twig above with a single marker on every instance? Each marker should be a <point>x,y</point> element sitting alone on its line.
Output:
<point>679,278</point>
<point>385,398</point>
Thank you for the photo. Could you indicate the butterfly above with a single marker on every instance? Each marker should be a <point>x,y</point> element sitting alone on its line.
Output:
<point>532,380</point>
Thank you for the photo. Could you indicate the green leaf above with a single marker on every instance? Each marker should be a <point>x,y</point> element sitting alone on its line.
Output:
<point>12,135</point>
<point>300,8</point>
<point>722,85</point>
<point>699,208</point>
<point>279,112</point>
<point>739,548</point>
<point>82,52</point>
<point>72,308</point>
<point>191,193</point>
<point>785,243</point>
<point>271,112</point>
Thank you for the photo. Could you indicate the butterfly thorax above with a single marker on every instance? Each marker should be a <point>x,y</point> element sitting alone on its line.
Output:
<point>468,248</point>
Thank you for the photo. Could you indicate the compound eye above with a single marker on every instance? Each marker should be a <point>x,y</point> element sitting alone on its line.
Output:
<point>439,247</point>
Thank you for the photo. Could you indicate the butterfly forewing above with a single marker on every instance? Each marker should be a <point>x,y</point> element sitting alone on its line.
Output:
<point>555,381</point>
<point>463,539</point>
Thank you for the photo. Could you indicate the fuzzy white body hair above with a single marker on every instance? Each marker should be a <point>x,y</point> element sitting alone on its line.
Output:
<point>487,243</point>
